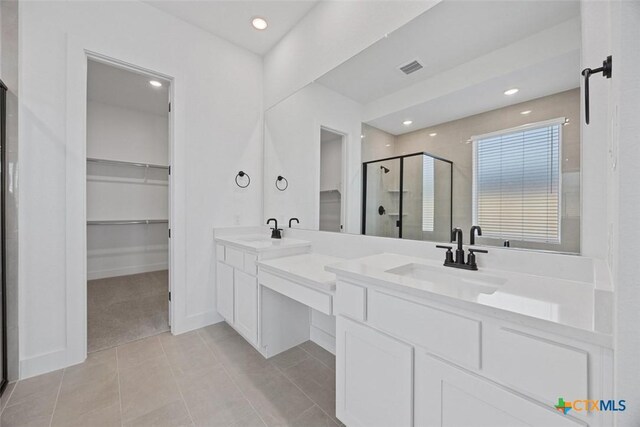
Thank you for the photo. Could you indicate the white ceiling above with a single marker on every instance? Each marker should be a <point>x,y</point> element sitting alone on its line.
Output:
<point>231,20</point>
<point>447,35</point>
<point>485,96</point>
<point>127,89</point>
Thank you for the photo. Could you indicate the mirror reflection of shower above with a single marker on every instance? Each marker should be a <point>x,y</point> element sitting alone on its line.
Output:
<point>410,197</point>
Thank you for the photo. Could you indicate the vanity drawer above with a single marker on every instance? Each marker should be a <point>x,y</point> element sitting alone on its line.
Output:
<point>234,258</point>
<point>351,300</point>
<point>220,252</point>
<point>451,336</point>
<point>310,297</point>
<point>539,367</point>
<point>250,266</point>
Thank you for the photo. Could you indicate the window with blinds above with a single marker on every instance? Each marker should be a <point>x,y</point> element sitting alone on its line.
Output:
<point>428,193</point>
<point>516,183</point>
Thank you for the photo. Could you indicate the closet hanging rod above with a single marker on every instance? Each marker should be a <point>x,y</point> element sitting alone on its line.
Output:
<point>128,222</point>
<point>123,163</point>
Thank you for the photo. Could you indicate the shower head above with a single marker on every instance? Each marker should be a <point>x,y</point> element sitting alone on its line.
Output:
<point>386,170</point>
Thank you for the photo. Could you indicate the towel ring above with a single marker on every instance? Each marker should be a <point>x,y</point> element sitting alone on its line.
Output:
<point>242,174</point>
<point>279,179</point>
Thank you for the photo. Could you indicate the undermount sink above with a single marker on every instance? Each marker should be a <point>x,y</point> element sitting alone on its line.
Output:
<point>456,279</point>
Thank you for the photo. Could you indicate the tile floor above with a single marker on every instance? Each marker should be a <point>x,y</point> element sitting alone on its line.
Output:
<point>126,308</point>
<point>208,377</point>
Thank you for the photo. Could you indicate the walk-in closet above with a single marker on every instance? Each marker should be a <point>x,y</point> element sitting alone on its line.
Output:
<point>127,205</point>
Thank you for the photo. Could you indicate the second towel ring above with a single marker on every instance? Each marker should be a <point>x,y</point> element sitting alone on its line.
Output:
<point>281,178</point>
<point>242,174</point>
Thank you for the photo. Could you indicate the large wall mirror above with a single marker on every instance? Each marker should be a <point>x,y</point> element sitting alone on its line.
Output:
<point>467,115</point>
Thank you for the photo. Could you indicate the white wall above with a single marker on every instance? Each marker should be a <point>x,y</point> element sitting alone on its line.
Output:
<point>217,130</point>
<point>292,149</point>
<point>332,32</point>
<point>114,192</point>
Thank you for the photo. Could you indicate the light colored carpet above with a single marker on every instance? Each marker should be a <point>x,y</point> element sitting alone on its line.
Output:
<point>127,308</point>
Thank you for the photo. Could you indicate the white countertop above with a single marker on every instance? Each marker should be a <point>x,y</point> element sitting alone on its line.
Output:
<point>510,295</point>
<point>306,268</point>
<point>261,243</point>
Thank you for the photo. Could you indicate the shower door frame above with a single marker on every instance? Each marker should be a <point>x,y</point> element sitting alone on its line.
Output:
<point>400,195</point>
<point>3,241</point>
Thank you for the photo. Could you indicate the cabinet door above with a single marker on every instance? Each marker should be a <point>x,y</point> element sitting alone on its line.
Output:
<point>224,291</point>
<point>451,397</point>
<point>374,377</point>
<point>246,305</point>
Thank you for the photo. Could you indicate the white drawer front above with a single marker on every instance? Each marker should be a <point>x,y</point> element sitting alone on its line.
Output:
<point>250,266</point>
<point>539,367</point>
<point>310,297</point>
<point>234,258</point>
<point>445,334</point>
<point>351,300</point>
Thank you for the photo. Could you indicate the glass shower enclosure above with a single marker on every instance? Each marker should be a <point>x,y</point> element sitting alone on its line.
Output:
<point>408,197</point>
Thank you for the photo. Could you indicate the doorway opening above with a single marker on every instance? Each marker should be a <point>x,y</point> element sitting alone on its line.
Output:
<point>331,180</point>
<point>127,205</point>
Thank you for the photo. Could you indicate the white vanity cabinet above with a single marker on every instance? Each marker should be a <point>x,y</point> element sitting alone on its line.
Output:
<point>237,291</point>
<point>375,377</point>
<point>446,395</point>
<point>404,360</point>
<point>224,291</point>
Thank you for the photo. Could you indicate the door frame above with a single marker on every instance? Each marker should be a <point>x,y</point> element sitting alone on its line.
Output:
<point>96,57</point>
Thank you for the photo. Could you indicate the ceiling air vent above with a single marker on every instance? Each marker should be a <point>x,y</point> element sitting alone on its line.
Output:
<point>411,67</point>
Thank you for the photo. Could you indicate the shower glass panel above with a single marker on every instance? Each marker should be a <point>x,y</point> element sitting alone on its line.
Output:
<point>415,202</point>
<point>382,198</point>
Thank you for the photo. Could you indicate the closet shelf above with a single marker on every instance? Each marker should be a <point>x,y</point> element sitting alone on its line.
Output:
<point>123,163</point>
<point>128,222</point>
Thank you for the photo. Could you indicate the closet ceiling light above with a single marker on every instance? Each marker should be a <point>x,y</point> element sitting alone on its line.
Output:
<point>259,23</point>
<point>155,83</point>
<point>511,91</point>
<point>407,122</point>
<point>433,134</point>
<point>524,113</point>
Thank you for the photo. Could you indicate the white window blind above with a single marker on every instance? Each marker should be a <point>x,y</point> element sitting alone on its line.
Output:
<point>428,193</point>
<point>516,191</point>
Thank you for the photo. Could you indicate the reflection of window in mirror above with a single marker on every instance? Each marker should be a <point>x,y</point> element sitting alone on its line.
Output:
<point>331,189</point>
<point>516,183</point>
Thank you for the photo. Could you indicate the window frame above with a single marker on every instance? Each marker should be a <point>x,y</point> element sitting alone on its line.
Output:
<point>560,122</point>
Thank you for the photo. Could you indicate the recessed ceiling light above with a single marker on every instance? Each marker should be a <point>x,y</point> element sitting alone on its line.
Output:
<point>511,91</point>
<point>433,134</point>
<point>259,23</point>
<point>155,83</point>
<point>407,122</point>
<point>388,145</point>
<point>524,113</point>
<point>362,136</point>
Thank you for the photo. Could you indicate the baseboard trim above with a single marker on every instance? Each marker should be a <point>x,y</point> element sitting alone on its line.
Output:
<point>195,322</point>
<point>48,362</point>
<point>323,339</point>
<point>125,271</point>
